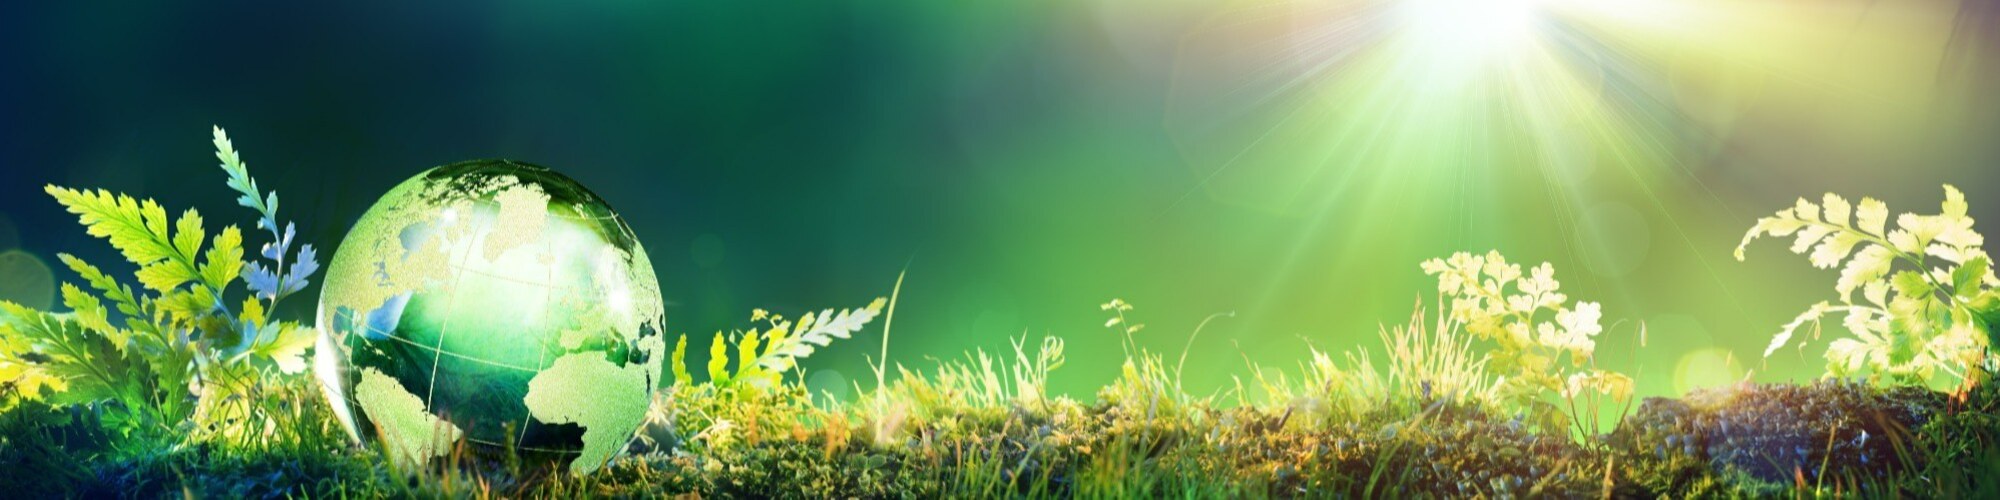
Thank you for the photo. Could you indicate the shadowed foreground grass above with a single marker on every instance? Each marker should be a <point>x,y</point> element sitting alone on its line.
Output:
<point>981,427</point>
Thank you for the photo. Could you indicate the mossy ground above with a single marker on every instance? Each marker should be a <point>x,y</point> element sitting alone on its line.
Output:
<point>1820,439</point>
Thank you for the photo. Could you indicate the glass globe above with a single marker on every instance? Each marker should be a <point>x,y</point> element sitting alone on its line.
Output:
<point>494,304</point>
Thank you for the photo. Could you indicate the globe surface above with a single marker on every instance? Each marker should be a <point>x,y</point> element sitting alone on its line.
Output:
<point>496,304</point>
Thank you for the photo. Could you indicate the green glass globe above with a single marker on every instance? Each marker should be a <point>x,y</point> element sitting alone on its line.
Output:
<point>494,304</point>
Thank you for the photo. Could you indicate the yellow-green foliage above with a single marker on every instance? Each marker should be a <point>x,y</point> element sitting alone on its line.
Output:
<point>754,398</point>
<point>173,353</point>
<point>984,426</point>
<point>762,355</point>
<point>1926,287</point>
<point>1425,363</point>
<point>1533,328</point>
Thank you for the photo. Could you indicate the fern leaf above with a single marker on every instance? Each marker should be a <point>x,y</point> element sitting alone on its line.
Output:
<point>1876,292</point>
<point>137,229</point>
<point>240,180</point>
<point>817,330</point>
<point>1911,284</point>
<point>120,295</point>
<point>1872,217</point>
<point>188,235</point>
<point>1779,225</point>
<point>1866,319</point>
<point>1986,310</point>
<point>275,282</point>
<point>1954,202</point>
<point>303,265</point>
<point>1955,228</point>
<point>1969,278</point>
<point>1887,334</point>
<point>1834,249</point>
<point>269,283</point>
<point>778,335</point>
<point>90,368</point>
<point>1846,357</point>
<point>165,276</point>
<point>1811,235</point>
<point>185,305</point>
<point>285,346</point>
<point>1785,334</point>
<point>718,360</point>
<point>137,313</point>
<point>253,312</point>
<point>1806,211</point>
<point>1904,240</point>
<point>224,260</point>
<point>680,362</point>
<point>746,349</point>
<point>1869,265</point>
<point>31,380</point>
<point>1837,210</point>
<point>89,312</point>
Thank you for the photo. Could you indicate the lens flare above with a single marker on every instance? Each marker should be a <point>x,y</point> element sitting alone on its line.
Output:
<point>1388,128</point>
<point>1470,28</point>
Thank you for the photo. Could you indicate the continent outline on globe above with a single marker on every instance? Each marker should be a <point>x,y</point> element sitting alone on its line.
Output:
<point>518,290</point>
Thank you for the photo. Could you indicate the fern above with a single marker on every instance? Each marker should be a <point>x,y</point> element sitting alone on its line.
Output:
<point>1533,327</point>
<point>173,348</point>
<point>275,282</point>
<point>820,331</point>
<point>762,355</point>
<point>54,358</point>
<point>679,362</point>
<point>1926,286</point>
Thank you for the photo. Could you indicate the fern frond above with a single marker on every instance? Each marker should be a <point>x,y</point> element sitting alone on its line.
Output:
<point>240,180</point>
<point>1931,300</point>
<point>177,316</point>
<point>718,360</point>
<point>30,379</point>
<point>120,295</point>
<point>275,282</point>
<point>746,350</point>
<point>281,344</point>
<point>89,312</point>
<point>1784,336</point>
<point>138,229</point>
<point>817,331</point>
<point>165,275</point>
<point>224,260</point>
<point>1869,265</point>
<point>680,362</point>
<point>88,366</point>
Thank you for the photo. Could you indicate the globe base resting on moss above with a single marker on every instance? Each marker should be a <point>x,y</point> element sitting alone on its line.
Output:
<point>494,305</point>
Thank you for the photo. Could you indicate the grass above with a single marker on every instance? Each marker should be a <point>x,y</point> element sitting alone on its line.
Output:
<point>984,426</point>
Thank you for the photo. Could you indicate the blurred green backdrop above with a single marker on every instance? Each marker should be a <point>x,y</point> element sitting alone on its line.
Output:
<point>1025,161</point>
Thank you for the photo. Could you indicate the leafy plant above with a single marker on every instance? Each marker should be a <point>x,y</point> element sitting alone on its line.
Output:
<point>174,355</point>
<point>739,405</point>
<point>1532,326</point>
<point>763,355</point>
<point>1928,304</point>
